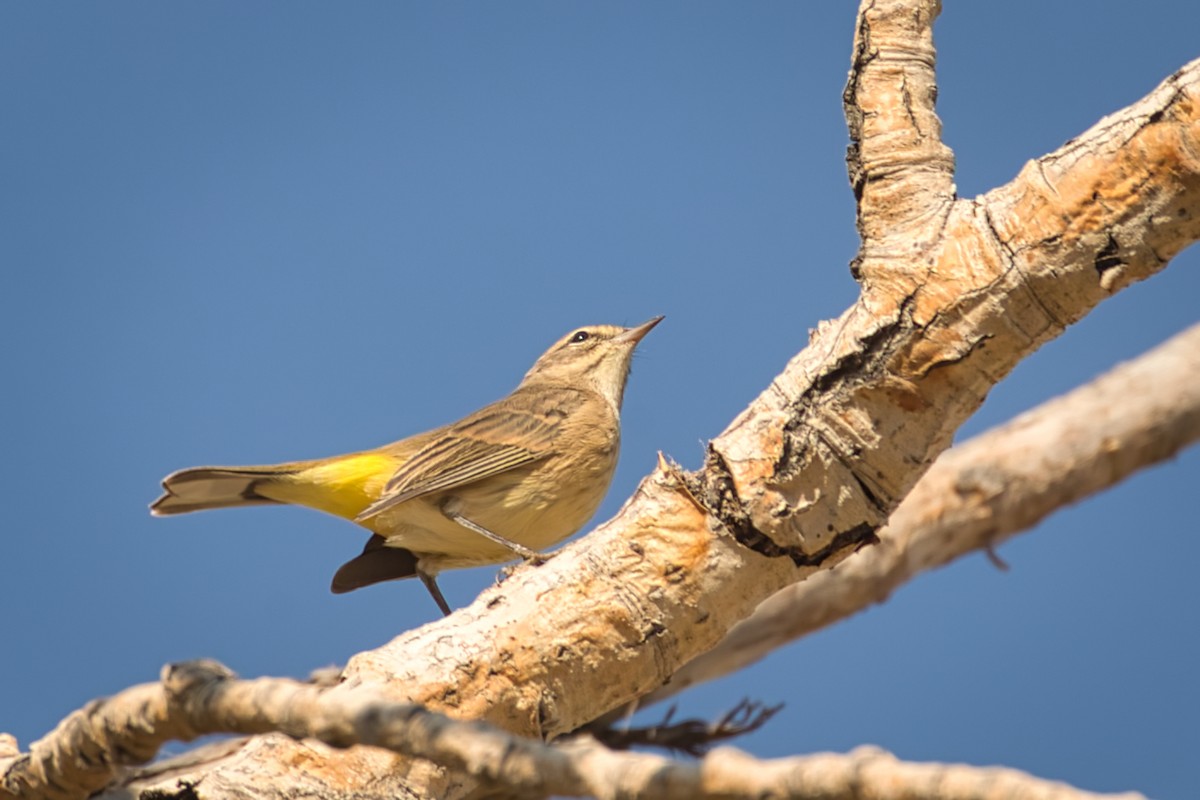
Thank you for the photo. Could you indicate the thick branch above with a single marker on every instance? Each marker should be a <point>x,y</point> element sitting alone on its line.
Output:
<point>203,697</point>
<point>844,432</point>
<point>982,492</point>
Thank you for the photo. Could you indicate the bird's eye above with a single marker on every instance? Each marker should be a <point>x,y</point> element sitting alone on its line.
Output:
<point>580,336</point>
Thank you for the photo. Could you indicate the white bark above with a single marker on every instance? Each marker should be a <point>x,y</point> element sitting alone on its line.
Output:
<point>985,491</point>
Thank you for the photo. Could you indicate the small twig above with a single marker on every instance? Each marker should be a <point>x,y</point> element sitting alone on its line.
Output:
<point>694,737</point>
<point>994,557</point>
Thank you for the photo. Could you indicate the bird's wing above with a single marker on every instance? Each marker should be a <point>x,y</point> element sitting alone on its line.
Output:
<point>494,440</point>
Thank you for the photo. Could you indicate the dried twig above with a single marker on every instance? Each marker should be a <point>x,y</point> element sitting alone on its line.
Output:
<point>694,737</point>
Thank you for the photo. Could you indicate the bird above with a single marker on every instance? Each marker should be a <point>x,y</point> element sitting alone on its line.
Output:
<point>507,481</point>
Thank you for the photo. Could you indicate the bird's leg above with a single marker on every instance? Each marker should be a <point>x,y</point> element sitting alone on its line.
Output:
<point>431,584</point>
<point>520,549</point>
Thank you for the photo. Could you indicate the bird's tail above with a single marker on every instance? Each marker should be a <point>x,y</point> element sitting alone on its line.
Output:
<point>201,488</point>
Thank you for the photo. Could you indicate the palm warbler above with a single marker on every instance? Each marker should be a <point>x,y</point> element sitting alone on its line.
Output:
<point>513,478</point>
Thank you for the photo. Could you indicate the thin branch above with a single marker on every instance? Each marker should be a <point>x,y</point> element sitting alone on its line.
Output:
<point>86,750</point>
<point>901,171</point>
<point>203,698</point>
<point>985,491</point>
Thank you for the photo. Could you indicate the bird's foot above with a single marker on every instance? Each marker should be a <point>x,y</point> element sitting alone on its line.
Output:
<point>537,559</point>
<point>533,559</point>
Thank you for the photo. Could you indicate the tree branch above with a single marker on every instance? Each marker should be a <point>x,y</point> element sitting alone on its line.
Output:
<point>985,491</point>
<point>901,171</point>
<point>204,698</point>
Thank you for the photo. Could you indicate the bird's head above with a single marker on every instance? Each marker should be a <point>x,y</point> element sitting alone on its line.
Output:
<point>595,356</point>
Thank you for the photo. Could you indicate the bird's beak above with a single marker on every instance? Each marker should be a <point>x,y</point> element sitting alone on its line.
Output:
<point>634,335</point>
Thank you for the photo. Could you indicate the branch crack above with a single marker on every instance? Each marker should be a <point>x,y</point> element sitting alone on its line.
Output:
<point>1107,257</point>
<point>714,489</point>
<point>1010,256</point>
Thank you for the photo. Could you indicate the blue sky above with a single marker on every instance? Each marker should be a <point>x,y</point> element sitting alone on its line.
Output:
<point>244,233</point>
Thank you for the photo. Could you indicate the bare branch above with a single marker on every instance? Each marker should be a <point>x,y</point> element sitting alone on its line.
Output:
<point>1123,194</point>
<point>203,697</point>
<point>892,379</point>
<point>985,491</point>
<point>901,171</point>
<point>83,754</point>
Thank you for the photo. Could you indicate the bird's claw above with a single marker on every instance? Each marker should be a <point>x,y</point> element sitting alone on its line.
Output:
<point>534,559</point>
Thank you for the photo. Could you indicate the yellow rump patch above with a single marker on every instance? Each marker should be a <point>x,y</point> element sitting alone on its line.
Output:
<point>343,486</point>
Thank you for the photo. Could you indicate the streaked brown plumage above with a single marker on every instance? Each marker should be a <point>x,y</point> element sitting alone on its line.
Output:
<point>513,478</point>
